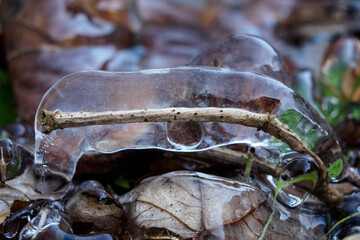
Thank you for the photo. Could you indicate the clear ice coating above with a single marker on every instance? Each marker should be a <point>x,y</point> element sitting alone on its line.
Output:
<point>16,159</point>
<point>18,181</point>
<point>96,91</point>
<point>297,180</point>
<point>52,223</point>
<point>244,53</point>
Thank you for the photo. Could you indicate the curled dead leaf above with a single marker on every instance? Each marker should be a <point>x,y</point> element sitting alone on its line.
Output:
<point>91,207</point>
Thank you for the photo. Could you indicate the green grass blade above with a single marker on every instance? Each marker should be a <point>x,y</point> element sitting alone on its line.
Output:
<point>339,222</point>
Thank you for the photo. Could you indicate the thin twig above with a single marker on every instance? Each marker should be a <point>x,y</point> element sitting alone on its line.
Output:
<point>265,122</point>
<point>228,156</point>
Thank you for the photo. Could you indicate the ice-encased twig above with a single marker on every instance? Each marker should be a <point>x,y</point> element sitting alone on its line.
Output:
<point>192,87</point>
<point>265,122</point>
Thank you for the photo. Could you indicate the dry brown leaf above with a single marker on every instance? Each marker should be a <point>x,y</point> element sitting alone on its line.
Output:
<point>198,206</point>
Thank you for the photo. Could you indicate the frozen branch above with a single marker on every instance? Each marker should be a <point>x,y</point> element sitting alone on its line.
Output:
<point>265,122</point>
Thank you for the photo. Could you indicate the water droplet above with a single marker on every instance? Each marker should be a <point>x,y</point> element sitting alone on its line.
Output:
<point>297,179</point>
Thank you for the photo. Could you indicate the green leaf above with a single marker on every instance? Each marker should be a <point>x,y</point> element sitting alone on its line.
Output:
<point>334,112</point>
<point>14,170</point>
<point>335,169</point>
<point>335,106</point>
<point>335,74</point>
<point>356,113</point>
<point>6,100</point>
<point>123,182</point>
<point>347,156</point>
<point>302,126</point>
<point>312,176</point>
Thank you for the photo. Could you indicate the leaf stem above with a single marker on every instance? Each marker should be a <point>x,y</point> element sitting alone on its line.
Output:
<point>248,167</point>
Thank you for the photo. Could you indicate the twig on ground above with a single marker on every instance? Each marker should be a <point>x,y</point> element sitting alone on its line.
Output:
<point>228,156</point>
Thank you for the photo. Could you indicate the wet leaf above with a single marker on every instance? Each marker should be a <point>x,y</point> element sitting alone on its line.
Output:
<point>195,205</point>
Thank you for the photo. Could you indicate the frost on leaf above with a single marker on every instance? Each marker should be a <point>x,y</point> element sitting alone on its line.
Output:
<point>181,87</point>
<point>193,205</point>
